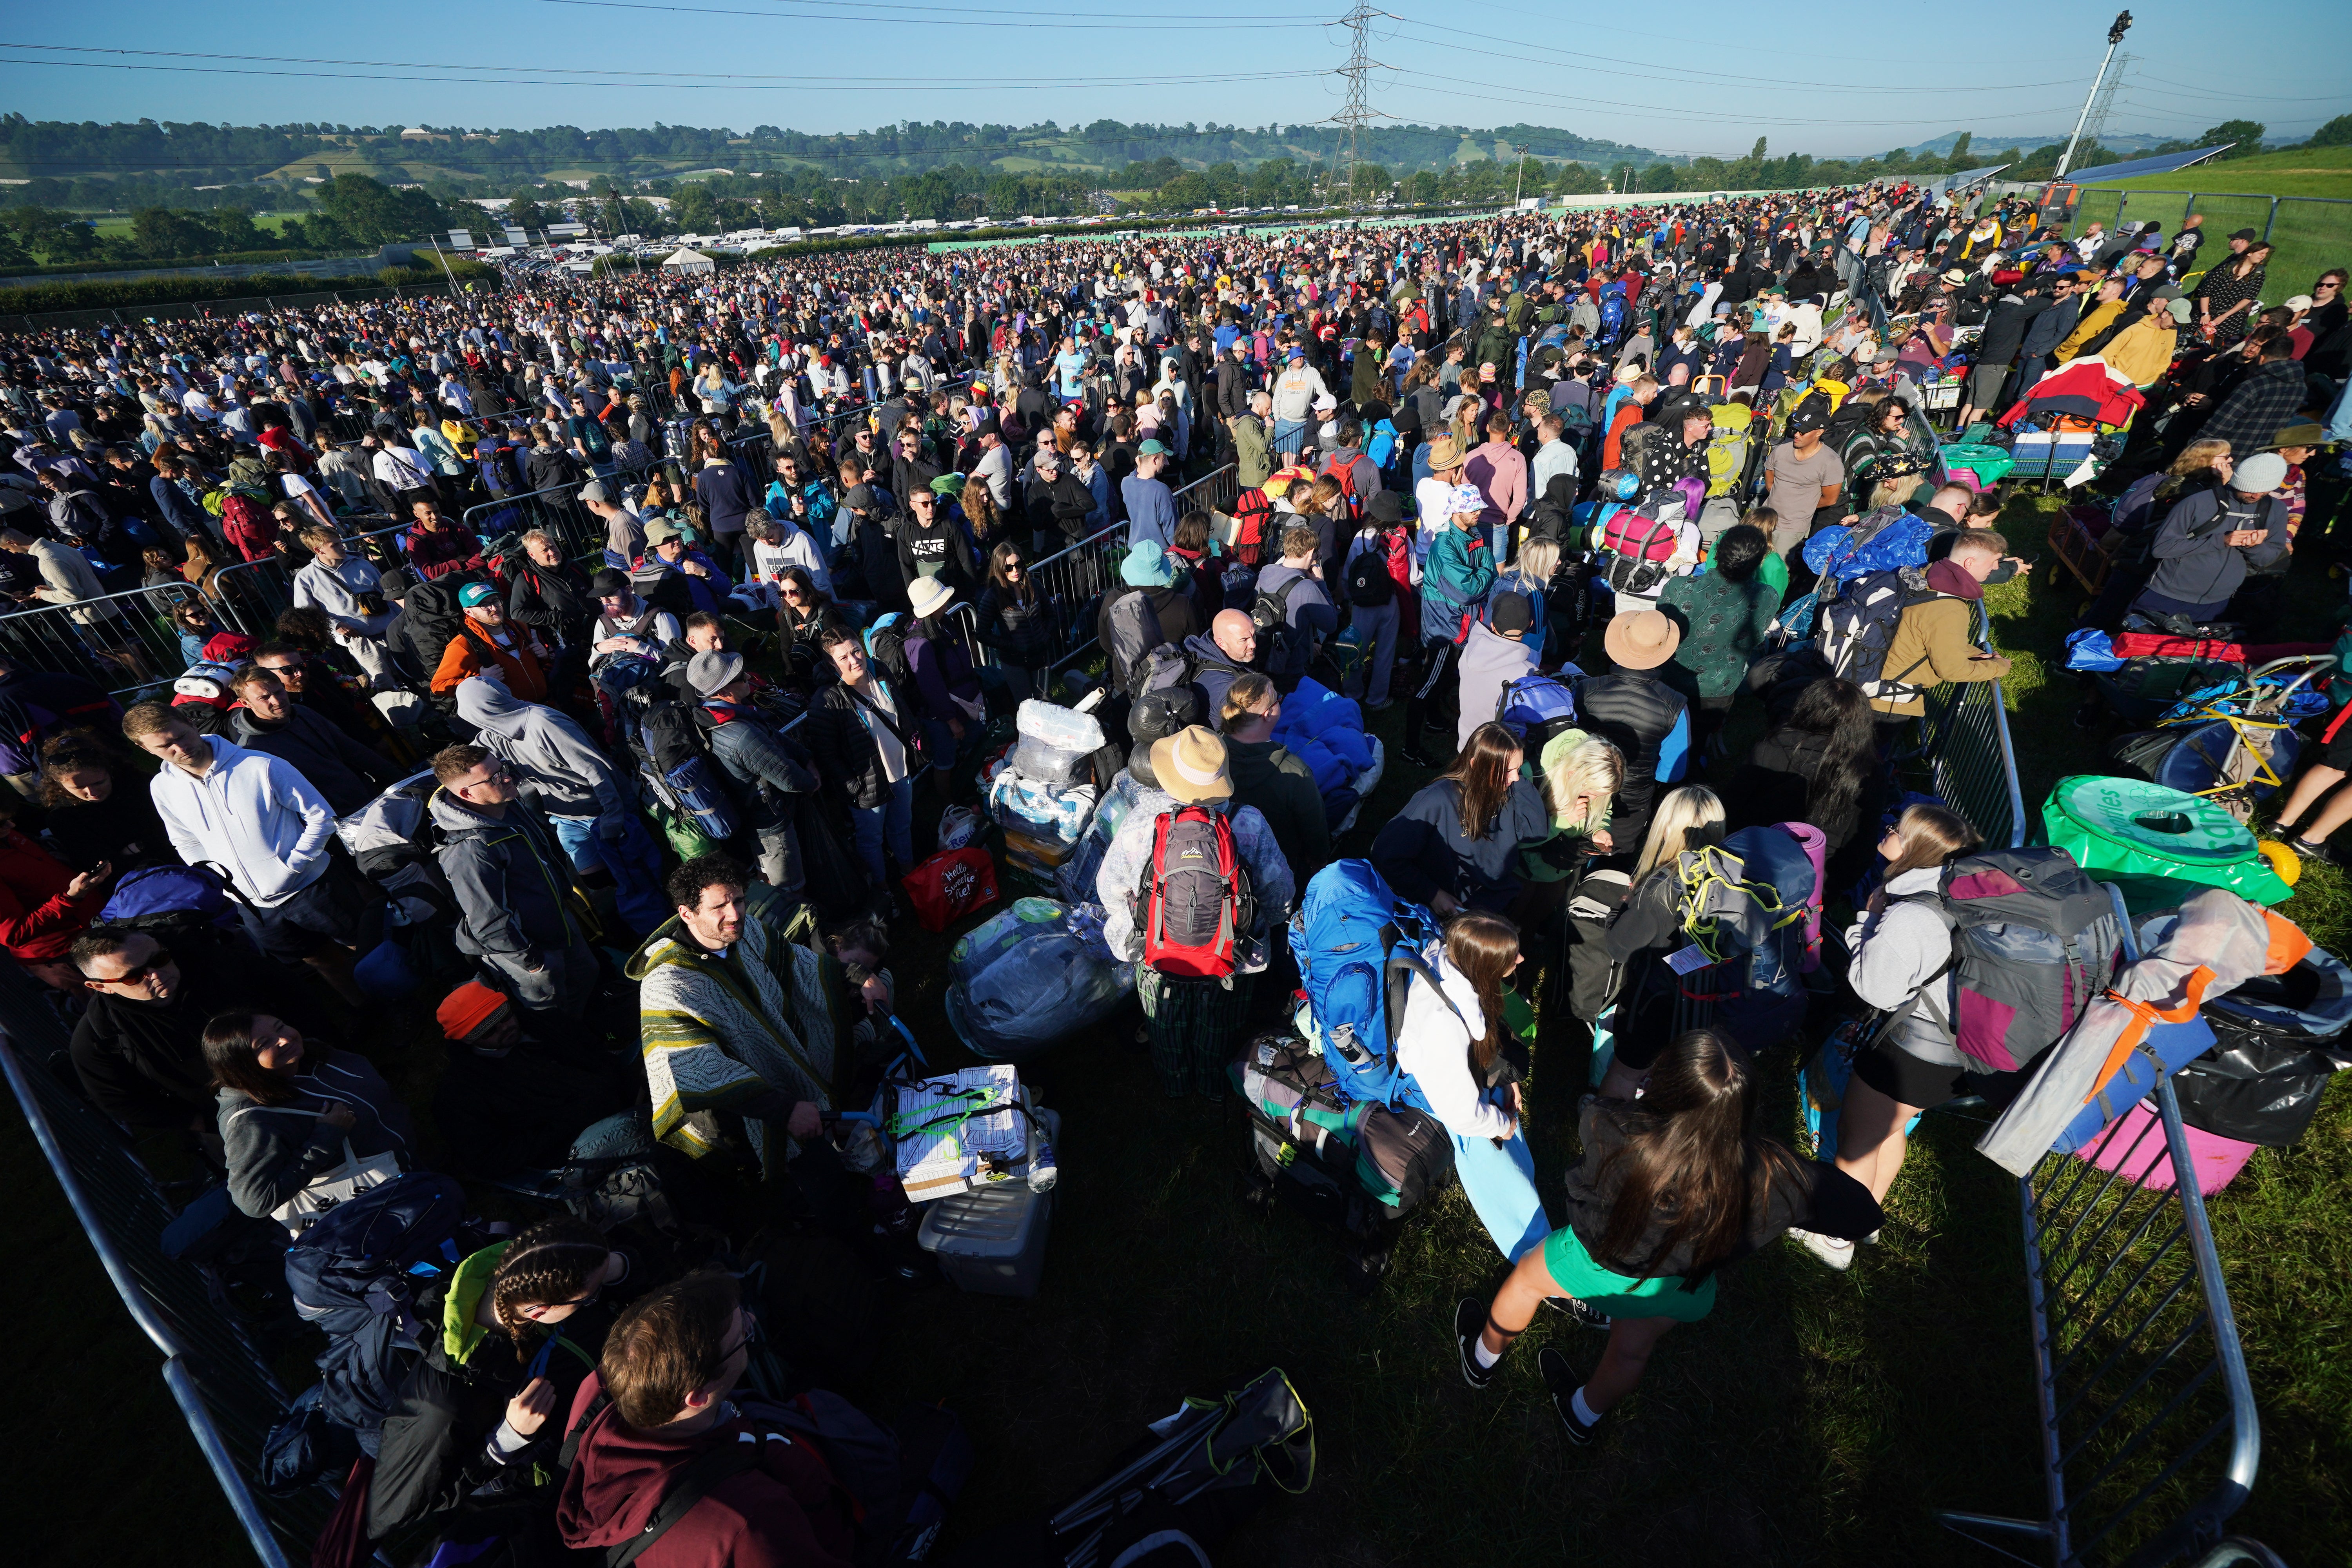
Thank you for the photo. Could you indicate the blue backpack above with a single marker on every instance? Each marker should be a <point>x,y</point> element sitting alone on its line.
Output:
<point>1358,947</point>
<point>159,896</point>
<point>1535,708</point>
<point>358,1274</point>
<point>1612,314</point>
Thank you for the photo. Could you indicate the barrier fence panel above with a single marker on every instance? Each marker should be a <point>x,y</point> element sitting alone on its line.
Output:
<point>1076,576</point>
<point>2149,1436</point>
<point>121,642</point>
<point>1966,744</point>
<point>220,1379</point>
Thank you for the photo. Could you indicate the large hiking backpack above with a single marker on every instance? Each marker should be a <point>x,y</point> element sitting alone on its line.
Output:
<point>1357,946</point>
<point>1194,906</point>
<point>1252,514</point>
<point>1634,446</point>
<point>1535,708</point>
<point>886,645</point>
<point>1357,1166</point>
<point>2034,941</point>
<point>1134,626</point>
<point>392,839</point>
<point>1857,628</point>
<point>1270,612</point>
<point>359,1274</point>
<point>1612,315</point>
<point>1346,474</point>
<point>161,898</point>
<point>430,616</point>
<point>1641,543</point>
<point>1879,541</point>
<point>1728,448</point>
<point>1752,907</point>
<point>676,763</point>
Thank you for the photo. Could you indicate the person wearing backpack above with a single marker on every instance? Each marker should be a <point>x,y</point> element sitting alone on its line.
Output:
<point>512,883</point>
<point>588,802</point>
<point>1449,1051</point>
<point>1458,576</point>
<point>1269,776</point>
<point>1191,884</point>
<point>1723,614</point>
<point>1647,926</point>
<point>1636,711</point>
<point>1928,644</point>
<point>1496,655</point>
<point>1378,584</point>
<point>765,769</point>
<point>520,1326</point>
<point>290,1110</point>
<point>1294,614</point>
<point>1672,1188</point>
<point>676,1465</point>
<point>1901,947</point>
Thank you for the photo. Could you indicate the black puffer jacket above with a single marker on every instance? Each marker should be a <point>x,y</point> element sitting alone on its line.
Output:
<point>846,755</point>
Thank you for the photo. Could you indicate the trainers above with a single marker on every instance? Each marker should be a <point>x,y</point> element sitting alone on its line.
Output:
<point>1583,1313</point>
<point>1469,1322</point>
<point>2325,853</point>
<point>1561,1380</point>
<point>1838,1255</point>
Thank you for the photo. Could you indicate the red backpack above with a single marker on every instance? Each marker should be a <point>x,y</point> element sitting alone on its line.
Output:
<point>1195,904</point>
<point>1346,474</point>
<point>1251,509</point>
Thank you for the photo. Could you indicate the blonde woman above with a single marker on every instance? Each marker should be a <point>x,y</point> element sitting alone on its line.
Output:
<point>1647,927</point>
<point>1580,775</point>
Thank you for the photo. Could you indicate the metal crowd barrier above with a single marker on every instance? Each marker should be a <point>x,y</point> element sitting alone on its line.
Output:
<point>220,1379</point>
<point>1965,742</point>
<point>122,642</point>
<point>1074,577</point>
<point>2150,1436</point>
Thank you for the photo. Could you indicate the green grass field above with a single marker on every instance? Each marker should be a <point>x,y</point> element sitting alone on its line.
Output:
<point>2310,235</point>
<point>1813,1419</point>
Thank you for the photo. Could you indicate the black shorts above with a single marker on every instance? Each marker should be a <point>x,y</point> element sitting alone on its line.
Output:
<point>1907,1079</point>
<point>334,909</point>
<point>2339,750</point>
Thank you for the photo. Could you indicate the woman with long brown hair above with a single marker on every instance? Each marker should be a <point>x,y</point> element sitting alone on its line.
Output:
<point>1449,1050</point>
<point>1901,944</point>
<point>1671,1189</point>
<point>1456,844</point>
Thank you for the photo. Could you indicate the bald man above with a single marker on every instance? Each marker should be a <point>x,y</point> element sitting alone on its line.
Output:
<point>1226,653</point>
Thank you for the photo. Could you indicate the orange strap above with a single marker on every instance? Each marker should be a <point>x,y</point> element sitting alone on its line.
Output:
<point>2145,1015</point>
<point>2288,944</point>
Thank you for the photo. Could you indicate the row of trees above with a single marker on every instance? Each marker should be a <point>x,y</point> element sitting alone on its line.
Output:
<point>354,213</point>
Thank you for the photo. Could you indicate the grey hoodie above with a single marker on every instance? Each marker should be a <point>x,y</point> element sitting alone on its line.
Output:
<point>1897,951</point>
<point>1490,661</point>
<point>510,877</point>
<point>557,764</point>
<point>273,1151</point>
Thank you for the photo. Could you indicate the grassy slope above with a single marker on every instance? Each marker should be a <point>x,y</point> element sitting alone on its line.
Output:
<point>1812,1420</point>
<point>2309,236</point>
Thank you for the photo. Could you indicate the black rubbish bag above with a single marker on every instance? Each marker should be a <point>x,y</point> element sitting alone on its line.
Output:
<point>2255,1090</point>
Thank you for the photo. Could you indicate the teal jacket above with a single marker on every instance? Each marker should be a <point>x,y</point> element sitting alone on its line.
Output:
<point>1459,575</point>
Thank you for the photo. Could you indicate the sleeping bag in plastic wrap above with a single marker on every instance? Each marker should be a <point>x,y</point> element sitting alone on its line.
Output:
<point>1018,803</point>
<point>1029,977</point>
<point>2147,1025</point>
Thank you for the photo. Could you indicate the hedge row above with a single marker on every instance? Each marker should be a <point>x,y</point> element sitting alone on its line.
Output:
<point>1039,231</point>
<point>137,293</point>
<point>151,264</point>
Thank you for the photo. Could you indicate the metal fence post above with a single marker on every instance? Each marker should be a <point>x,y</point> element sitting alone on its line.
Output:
<point>2270,221</point>
<point>2189,209</point>
<point>2138,1375</point>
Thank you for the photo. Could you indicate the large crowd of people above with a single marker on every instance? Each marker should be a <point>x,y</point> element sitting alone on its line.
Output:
<point>662,619</point>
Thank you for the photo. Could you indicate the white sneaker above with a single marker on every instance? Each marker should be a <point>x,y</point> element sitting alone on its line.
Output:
<point>1838,1255</point>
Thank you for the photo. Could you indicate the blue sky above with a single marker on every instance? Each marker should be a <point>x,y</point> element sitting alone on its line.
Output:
<point>1833,77</point>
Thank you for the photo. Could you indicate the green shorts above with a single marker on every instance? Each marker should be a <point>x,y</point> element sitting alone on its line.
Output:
<point>1620,1296</point>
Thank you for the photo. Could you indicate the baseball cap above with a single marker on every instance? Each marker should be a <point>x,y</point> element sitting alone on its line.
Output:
<point>1151,449</point>
<point>1512,613</point>
<point>594,490</point>
<point>474,593</point>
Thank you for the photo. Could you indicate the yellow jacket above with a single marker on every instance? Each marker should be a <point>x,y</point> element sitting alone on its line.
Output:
<point>2142,351</point>
<point>2089,327</point>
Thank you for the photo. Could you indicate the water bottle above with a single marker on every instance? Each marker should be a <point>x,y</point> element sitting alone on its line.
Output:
<point>1349,1049</point>
<point>1043,1173</point>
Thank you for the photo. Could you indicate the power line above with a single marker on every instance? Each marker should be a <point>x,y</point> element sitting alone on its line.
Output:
<point>869,84</point>
<point>1663,111</point>
<point>960,20</point>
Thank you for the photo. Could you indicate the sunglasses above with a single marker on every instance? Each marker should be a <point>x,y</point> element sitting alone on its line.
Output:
<point>160,961</point>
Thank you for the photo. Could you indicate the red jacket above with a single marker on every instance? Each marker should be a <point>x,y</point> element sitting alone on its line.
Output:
<point>447,549</point>
<point>250,527</point>
<point>36,920</point>
<point>784,1512</point>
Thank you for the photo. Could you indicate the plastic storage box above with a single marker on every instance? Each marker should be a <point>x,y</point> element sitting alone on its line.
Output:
<point>991,1240</point>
